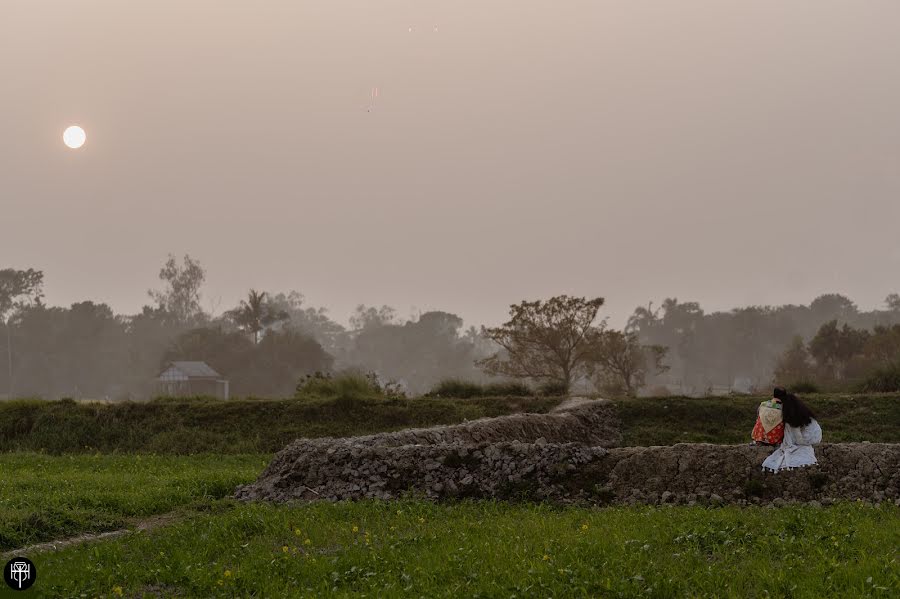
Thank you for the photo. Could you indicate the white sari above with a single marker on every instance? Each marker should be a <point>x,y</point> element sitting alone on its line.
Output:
<point>796,449</point>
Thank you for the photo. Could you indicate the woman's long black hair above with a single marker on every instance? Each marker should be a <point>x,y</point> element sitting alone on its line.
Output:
<point>793,411</point>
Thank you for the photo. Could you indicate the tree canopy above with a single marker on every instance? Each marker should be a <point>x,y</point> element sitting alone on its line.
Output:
<point>548,341</point>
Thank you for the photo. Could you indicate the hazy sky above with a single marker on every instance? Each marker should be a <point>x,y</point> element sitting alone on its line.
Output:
<point>728,152</point>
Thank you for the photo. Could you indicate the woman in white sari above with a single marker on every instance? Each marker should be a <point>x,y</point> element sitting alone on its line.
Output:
<point>801,432</point>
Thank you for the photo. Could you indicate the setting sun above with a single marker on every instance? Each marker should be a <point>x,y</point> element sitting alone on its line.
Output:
<point>74,137</point>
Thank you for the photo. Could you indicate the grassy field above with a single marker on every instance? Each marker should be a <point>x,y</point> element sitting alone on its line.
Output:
<point>235,426</point>
<point>492,550</point>
<point>212,546</point>
<point>265,426</point>
<point>666,421</point>
<point>44,497</point>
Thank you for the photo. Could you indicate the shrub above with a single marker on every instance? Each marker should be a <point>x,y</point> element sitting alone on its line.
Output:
<point>347,385</point>
<point>882,380</point>
<point>510,389</point>
<point>456,388</point>
<point>553,389</point>
<point>461,389</point>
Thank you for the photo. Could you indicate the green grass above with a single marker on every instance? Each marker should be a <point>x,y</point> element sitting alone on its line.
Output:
<point>45,498</point>
<point>492,550</point>
<point>187,426</point>
<point>265,426</point>
<point>670,420</point>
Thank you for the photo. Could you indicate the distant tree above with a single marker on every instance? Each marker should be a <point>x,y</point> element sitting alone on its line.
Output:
<point>78,351</point>
<point>893,302</point>
<point>180,296</point>
<point>270,368</point>
<point>794,365</point>
<point>312,321</point>
<point>548,341</point>
<point>834,348</point>
<point>18,288</point>
<point>883,345</point>
<point>619,364</point>
<point>280,360</point>
<point>255,314</point>
<point>366,317</point>
<point>644,319</point>
<point>226,351</point>
<point>833,306</point>
<point>417,353</point>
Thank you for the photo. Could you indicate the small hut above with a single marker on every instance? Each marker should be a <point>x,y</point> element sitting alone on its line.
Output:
<point>190,379</point>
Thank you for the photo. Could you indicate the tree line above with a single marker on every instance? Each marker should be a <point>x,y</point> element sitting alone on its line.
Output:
<point>270,341</point>
<point>742,349</point>
<point>264,346</point>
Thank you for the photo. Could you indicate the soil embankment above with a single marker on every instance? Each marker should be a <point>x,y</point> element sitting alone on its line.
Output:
<point>567,456</point>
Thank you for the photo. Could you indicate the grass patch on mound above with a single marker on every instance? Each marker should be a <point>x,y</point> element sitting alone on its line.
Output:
<point>670,420</point>
<point>185,426</point>
<point>484,549</point>
<point>45,498</point>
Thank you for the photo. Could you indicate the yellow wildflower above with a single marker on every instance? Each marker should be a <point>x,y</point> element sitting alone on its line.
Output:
<point>546,557</point>
<point>421,520</point>
<point>227,573</point>
<point>117,590</point>
<point>355,528</point>
<point>584,527</point>
<point>285,548</point>
<point>307,542</point>
<point>297,532</point>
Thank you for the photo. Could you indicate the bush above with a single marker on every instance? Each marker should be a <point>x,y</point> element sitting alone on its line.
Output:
<point>882,380</point>
<point>553,389</point>
<point>347,385</point>
<point>456,388</point>
<point>510,389</point>
<point>460,389</point>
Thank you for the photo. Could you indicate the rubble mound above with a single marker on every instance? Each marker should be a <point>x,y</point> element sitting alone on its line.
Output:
<point>570,472</point>
<point>577,420</point>
<point>568,455</point>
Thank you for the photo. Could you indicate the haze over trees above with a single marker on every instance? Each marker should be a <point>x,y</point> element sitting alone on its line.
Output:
<point>619,364</point>
<point>836,356</point>
<point>18,290</point>
<point>740,349</point>
<point>270,340</point>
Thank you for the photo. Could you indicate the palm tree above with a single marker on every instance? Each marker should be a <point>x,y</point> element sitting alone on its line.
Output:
<point>256,313</point>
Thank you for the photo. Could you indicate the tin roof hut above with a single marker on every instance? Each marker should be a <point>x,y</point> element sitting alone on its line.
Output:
<point>191,379</point>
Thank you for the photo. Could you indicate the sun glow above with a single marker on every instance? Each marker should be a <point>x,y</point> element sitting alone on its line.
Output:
<point>74,137</point>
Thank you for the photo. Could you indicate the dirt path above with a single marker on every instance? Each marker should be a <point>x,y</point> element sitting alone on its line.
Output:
<point>150,523</point>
